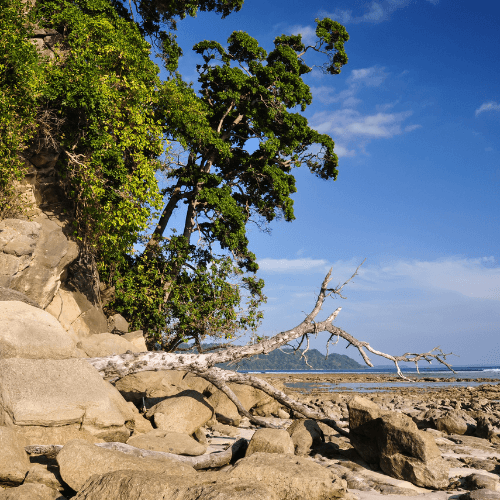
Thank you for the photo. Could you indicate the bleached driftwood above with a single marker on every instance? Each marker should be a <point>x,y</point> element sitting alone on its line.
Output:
<point>207,461</point>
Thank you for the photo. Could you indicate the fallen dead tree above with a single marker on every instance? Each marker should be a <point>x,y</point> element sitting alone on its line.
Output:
<point>207,461</point>
<point>203,364</point>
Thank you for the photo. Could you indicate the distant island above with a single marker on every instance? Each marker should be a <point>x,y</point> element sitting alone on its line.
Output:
<point>285,359</point>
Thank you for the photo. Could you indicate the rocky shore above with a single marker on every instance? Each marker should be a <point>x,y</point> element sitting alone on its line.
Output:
<point>68,432</point>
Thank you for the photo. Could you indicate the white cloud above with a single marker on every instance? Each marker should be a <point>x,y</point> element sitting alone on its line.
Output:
<point>488,106</point>
<point>376,12</point>
<point>308,33</point>
<point>292,265</point>
<point>370,77</point>
<point>343,152</point>
<point>411,128</point>
<point>350,123</point>
<point>473,278</point>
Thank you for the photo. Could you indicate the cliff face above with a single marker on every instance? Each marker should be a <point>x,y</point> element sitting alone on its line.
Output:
<point>39,256</point>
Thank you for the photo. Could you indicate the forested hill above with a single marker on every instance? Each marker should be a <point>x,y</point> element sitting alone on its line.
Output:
<point>283,360</point>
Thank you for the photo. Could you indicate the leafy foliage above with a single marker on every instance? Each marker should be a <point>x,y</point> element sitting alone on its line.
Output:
<point>100,105</point>
<point>19,88</point>
<point>101,93</point>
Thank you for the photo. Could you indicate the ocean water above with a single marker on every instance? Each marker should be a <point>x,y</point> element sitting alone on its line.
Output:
<point>463,376</point>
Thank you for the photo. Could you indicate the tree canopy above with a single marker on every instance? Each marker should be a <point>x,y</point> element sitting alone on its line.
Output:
<point>100,103</point>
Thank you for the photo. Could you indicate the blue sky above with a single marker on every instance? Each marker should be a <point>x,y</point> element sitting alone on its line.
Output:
<point>415,115</point>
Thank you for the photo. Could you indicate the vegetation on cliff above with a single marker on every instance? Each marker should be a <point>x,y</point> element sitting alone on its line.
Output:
<point>97,100</point>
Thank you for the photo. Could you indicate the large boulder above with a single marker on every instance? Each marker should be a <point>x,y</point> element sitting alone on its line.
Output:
<point>305,434</point>
<point>54,394</point>
<point>168,442</point>
<point>291,478</point>
<point>185,413</point>
<point>249,397</point>
<point>29,332</point>
<point>34,255</point>
<point>78,461</point>
<point>260,477</point>
<point>131,484</point>
<point>270,441</point>
<point>76,313</point>
<point>137,340</point>
<point>393,441</point>
<point>14,461</point>
<point>451,423</point>
<point>149,384</point>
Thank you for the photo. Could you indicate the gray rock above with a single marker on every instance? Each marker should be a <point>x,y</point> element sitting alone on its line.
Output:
<point>8,294</point>
<point>393,441</point>
<point>29,332</point>
<point>270,441</point>
<point>79,461</point>
<point>482,481</point>
<point>451,423</point>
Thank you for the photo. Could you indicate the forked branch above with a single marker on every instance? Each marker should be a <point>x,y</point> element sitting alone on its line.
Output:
<point>203,364</point>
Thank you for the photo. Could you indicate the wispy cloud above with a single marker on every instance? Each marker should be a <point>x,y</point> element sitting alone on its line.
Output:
<point>358,79</point>
<point>292,265</point>
<point>349,123</point>
<point>488,106</point>
<point>376,12</point>
<point>475,278</point>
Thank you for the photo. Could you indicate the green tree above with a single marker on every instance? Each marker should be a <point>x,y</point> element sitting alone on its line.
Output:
<point>100,104</point>
<point>241,141</point>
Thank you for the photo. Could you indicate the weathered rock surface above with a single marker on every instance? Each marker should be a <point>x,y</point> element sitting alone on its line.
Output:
<point>451,423</point>
<point>393,441</point>
<point>270,441</point>
<point>137,340</point>
<point>57,393</point>
<point>34,255</point>
<point>117,324</point>
<point>185,413</point>
<point>8,294</point>
<point>291,478</point>
<point>105,344</point>
<point>29,332</point>
<point>169,442</point>
<point>76,313</point>
<point>305,434</point>
<point>14,461</point>
<point>30,492</point>
<point>41,474</point>
<point>78,461</point>
<point>133,484</point>
<point>140,385</point>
